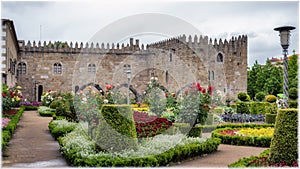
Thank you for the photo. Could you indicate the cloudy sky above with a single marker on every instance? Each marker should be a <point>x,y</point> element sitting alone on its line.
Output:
<point>81,20</point>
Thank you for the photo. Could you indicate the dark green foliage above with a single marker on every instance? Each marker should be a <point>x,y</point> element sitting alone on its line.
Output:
<point>243,162</point>
<point>293,93</point>
<point>195,132</point>
<point>272,108</point>
<point>260,96</point>
<point>116,129</point>
<point>240,140</point>
<point>270,118</point>
<point>293,103</point>
<point>242,107</point>
<point>259,107</point>
<point>8,130</point>
<point>293,71</point>
<point>271,98</point>
<point>245,125</point>
<point>242,96</point>
<point>57,130</point>
<point>284,146</point>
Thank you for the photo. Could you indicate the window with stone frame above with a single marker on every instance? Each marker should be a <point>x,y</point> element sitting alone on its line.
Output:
<point>57,68</point>
<point>92,68</point>
<point>220,57</point>
<point>22,68</point>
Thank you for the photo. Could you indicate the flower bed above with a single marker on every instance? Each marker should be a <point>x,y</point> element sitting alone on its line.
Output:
<point>245,136</point>
<point>9,128</point>
<point>30,105</point>
<point>5,122</point>
<point>149,126</point>
<point>260,161</point>
<point>79,150</point>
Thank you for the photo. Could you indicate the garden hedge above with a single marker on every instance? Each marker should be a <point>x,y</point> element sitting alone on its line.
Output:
<point>284,146</point>
<point>245,125</point>
<point>176,154</point>
<point>293,103</point>
<point>9,130</point>
<point>46,111</point>
<point>254,107</point>
<point>270,118</point>
<point>243,162</point>
<point>240,140</point>
<point>59,128</point>
<point>116,129</point>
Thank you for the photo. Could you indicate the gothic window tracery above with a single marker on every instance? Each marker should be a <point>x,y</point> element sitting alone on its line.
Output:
<point>57,68</point>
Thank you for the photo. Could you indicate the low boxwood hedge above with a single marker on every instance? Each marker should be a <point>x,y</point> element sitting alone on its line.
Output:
<point>240,140</point>
<point>243,162</point>
<point>28,108</point>
<point>8,130</point>
<point>46,111</point>
<point>245,125</point>
<point>270,118</point>
<point>59,128</point>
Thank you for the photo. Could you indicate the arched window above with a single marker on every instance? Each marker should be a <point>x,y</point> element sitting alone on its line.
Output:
<point>57,68</point>
<point>22,68</point>
<point>92,68</point>
<point>220,57</point>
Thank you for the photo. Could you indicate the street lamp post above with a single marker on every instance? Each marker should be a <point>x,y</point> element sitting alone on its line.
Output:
<point>284,33</point>
<point>127,71</point>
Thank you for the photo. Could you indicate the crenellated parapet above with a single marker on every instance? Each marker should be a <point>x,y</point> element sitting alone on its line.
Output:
<point>65,47</point>
<point>201,41</point>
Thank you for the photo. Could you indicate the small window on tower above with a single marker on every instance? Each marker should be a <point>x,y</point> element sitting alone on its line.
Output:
<point>220,58</point>
<point>57,68</point>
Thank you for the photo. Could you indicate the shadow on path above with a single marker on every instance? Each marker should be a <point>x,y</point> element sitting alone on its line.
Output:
<point>32,144</point>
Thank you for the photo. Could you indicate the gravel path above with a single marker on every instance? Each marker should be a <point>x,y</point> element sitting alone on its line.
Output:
<point>32,144</point>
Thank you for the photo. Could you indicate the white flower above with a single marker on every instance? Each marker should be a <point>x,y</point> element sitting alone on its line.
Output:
<point>105,101</point>
<point>156,78</point>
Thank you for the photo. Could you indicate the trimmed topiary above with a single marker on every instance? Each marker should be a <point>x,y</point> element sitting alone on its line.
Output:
<point>270,118</point>
<point>293,93</point>
<point>242,96</point>
<point>260,96</point>
<point>242,108</point>
<point>284,145</point>
<point>271,98</point>
<point>116,128</point>
<point>293,103</point>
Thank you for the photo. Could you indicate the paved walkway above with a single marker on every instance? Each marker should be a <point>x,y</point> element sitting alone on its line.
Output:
<point>32,144</point>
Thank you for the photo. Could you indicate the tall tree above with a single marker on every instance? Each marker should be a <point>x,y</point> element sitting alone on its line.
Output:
<point>293,71</point>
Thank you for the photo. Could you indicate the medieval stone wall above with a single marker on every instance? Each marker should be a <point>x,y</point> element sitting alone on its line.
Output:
<point>176,62</point>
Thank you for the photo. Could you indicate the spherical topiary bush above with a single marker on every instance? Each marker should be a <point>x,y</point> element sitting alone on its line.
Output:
<point>260,96</point>
<point>271,98</point>
<point>284,144</point>
<point>242,96</point>
<point>293,93</point>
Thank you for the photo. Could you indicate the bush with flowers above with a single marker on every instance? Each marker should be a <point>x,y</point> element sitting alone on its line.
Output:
<point>195,104</point>
<point>11,96</point>
<point>48,97</point>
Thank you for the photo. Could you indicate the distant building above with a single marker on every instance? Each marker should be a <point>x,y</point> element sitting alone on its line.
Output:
<point>275,60</point>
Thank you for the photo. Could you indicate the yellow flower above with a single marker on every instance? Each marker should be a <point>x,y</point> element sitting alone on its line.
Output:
<point>19,87</point>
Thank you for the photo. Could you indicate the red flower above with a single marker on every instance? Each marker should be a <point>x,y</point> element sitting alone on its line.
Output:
<point>173,95</point>
<point>203,91</point>
<point>49,91</point>
<point>210,89</point>
<point>166,95</point>
<point>199,87</point>
<point>3,95</point>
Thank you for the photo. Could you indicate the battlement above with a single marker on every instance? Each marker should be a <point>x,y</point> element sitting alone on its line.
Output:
<point>65,47</point>
<point>195,42</point>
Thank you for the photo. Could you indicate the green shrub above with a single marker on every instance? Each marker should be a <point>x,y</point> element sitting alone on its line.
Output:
<point>9,130</point>
<point>28,108</point>
<point>243,108</point>
<point>293,103</point>
<point>195,131</point>
<point>259,107</point>
<point>270,118</point>
<point>272,108</point>
<point>116,129</point>
<point>245,125</point>
<point>271,98</point>
<point>260,96</point>
<point>46,111</point>
<point>241,140</point>
<point>293,93</point>
<point>59,128</point>
<point>243,162</point>
<point>284,146</point>
<point>242,96</point>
